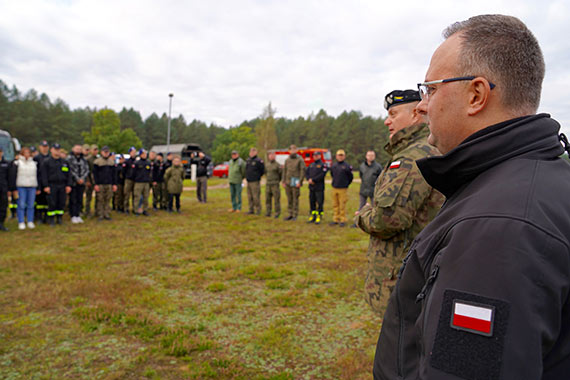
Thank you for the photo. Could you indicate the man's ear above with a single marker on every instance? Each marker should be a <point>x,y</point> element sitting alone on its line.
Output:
<point>479,91</point>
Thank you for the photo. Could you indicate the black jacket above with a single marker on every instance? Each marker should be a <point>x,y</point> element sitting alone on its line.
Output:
<point>254,169</point>
<point>55,172</point>
<point>129,168</point>
<point>201,165</point>
<point>119,173</point>
<point>368,176</point>
<point>158,169</point>
<point>6,182</point>
<point>317,172</point>
<point>142,171</point>
<point>104,171</point>
<point>484,289</point>
<point>341,173</point>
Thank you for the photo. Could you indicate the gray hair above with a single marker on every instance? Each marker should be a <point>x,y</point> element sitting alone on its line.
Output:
<point>504,51</point>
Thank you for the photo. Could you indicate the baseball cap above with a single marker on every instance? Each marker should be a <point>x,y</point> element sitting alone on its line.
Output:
<point>44,143</point>
<point>56,146</point>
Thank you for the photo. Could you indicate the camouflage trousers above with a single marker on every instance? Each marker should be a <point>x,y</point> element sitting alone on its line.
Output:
<point>273,191</point>
<point>292,200</point>
<point>340,198</point>
<point>119,198</point>
<point>141,191</point>
<point>103,201</point>
<point>253,196</point>
<point>159,195</point>
<point>128,194</point>
<point>380,280</point>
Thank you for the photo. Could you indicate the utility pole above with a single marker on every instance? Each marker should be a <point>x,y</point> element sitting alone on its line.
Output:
<point>169,117</point>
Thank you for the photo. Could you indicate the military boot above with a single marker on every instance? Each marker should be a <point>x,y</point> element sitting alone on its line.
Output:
<point>313,217</point>
<point>51,220</point>
<point>318,218</point>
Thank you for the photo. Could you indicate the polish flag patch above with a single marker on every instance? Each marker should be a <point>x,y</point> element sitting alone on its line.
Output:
<point>395,165</point>
<point>474,318</point>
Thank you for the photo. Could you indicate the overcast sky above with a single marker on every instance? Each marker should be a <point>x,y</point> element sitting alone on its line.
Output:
<point>225,60</point>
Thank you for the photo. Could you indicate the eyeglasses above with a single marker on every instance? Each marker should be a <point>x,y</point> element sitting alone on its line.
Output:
<point>427,88</point>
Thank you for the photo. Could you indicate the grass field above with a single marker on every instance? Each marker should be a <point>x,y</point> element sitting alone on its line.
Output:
<point>201,295</point>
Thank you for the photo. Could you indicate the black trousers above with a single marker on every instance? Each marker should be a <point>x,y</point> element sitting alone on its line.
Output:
<point>56,200</point>
<point>316,200</point>
<point>3,205</point>
<point>171,198</point>
<point>76,200</point>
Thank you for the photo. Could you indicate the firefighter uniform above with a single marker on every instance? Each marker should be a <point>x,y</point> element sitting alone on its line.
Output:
<point>57,177</point>
<point>158,186</point>
<point>316,172</point>
<point>119,197</point>
<point>41,198</point>
<point>128,174</point>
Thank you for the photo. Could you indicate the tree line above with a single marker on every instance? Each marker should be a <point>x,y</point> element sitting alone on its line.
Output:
<point>33,117</point>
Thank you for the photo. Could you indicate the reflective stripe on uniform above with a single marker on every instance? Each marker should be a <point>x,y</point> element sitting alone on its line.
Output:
<point>51,213</point>
<point>58,212</point>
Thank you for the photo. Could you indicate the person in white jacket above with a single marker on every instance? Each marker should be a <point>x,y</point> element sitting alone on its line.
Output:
<point>26,179</point>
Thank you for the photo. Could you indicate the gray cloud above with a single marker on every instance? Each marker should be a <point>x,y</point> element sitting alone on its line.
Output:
<point>225,60</point>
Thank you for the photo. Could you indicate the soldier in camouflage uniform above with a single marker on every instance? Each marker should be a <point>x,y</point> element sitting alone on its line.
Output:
<point>273,172</point>
<point>403,202</point>
<point>292,180</point>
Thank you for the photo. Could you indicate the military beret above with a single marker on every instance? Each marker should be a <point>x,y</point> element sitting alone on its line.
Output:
<point>398,97</point>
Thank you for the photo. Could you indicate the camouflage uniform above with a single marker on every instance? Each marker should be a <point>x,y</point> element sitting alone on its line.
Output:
<point>272,191</point>
<point>89,185</point>
<point>294,168</point>
<point>403,205</point>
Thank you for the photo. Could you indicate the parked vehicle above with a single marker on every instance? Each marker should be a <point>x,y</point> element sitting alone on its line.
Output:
<point>221,170</point>
<point>9,145</point>
<point>185,151</point>
<point>307,154</point>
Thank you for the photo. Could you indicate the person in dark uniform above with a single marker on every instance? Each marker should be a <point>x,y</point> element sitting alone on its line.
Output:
<point>5,173</point>
<point>341,173</point>
<point>201,161</point>
<point>315,175</point>
<point>41,198</point>
<point>56,181</point>
<point>118,197</point>
<point>142,177</point>
<point>167,164</point>
<point>254,170</point>
<point>128,174</point>
<point>158,185</point>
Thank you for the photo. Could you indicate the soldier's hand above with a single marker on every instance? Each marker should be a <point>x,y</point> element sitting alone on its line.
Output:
<point>67,189</point>
<point>47,190</point>
<point>96,188</point>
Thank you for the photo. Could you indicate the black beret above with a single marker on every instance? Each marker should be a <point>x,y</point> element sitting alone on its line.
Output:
<point>397,97</point>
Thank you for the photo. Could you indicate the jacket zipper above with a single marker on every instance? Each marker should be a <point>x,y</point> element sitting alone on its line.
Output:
<point>429,283</point>
<point>400,319</point>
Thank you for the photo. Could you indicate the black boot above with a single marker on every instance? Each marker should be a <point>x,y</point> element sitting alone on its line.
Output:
<point>58,217</point>
<point>51,220</point>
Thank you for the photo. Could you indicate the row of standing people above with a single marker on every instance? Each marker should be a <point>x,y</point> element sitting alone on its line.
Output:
<point>42,184</point>
<point>291,176</point>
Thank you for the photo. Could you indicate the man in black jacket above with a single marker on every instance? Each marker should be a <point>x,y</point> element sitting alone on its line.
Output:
<point>315,175</point>
<point>79,169</point>
<point>142,178</point>
<point>201,161</point>
<point>41,198</point>
<point>129,175</point>
<point>369,171</point>
<point>484,290</point>
<point>56,182</point>
<point>341,173</point>
<point>254,169</point>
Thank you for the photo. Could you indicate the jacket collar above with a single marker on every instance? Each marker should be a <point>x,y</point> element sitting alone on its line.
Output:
<point>534,137</point>
<point>404,137</point>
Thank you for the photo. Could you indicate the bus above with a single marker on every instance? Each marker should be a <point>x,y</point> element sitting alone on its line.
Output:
<point>9,145</point>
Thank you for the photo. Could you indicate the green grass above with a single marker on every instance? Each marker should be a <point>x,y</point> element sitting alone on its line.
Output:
<point>201,295</point>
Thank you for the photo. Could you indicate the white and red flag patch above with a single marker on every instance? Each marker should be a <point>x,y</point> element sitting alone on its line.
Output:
<point>473,318</point>
<point>395,165</point>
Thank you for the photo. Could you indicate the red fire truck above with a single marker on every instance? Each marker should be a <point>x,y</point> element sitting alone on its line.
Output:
<point>307,154</point>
